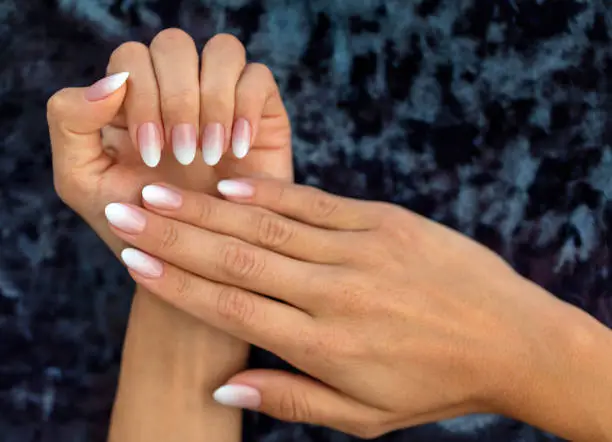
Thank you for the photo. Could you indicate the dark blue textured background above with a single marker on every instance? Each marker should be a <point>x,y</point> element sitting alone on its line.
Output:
<point>491,116</point>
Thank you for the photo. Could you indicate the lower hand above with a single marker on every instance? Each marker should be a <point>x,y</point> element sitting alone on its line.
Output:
<point>400,320</point>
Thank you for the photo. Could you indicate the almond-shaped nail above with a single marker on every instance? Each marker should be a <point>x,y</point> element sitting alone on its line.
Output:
<point>234,188</point>
<point>239,396</point>
<point>142,263</point>
<point>212,143</point>
<point>184,143</point>
<point>149,143</point>
<point>125,218</point>
<point>161,197</point>
<point>106,86</point>
<point>241,138</point>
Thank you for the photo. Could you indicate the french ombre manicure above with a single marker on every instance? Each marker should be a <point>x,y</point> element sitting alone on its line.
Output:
<point>161,197</point>
<point>212,143</point>
<point>241,138</point>
<point>234,188</point>
<point>142,263</point>
<point>149,143</point>
<point>106,86</point>
<point>184,143</point>
<point>125,218</point>
<point>239,396</point>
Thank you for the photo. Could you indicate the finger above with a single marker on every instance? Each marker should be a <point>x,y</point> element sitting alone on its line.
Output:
<point>142,108</point>
<point>258,320</point>
<point>256,226</point>
<point>217,257</point>
<point>257,98</point>
<point>75,117</point>
<point>223,59</point>
<point>175,59</point>
<point>295,398</point>
<point>303,203</point>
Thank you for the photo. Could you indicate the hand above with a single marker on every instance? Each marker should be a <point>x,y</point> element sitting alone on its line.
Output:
<point>400,320</point>
<point>165,104</point>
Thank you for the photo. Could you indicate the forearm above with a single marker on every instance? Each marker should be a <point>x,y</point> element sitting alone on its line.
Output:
<point>567,389</point>
<point>171,365</point>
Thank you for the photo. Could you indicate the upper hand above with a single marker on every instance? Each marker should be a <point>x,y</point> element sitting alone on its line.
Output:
<point>167,108</point>
<point>402,321</point>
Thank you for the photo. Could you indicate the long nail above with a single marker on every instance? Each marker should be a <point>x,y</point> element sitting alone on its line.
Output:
<point>241,138</point>
<point>142,263</point>
<point>234,188</point>
<point>125,218</point>
<point>184,143</point>
<point>239,396</point>
<point>161,197</point>
<point>106,86</point>
<point>212,143</point>
<point>149,142</point>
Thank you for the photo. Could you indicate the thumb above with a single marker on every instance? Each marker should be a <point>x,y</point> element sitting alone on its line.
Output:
<point>297,398</point>
<point>75,117</point>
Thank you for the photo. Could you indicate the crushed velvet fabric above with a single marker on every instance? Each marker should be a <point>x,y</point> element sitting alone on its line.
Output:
<point>490,116</point>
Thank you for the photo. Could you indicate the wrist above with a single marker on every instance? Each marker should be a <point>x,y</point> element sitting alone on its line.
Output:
<point>560,380</point>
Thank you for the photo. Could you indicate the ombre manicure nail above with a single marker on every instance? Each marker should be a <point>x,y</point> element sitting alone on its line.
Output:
<point>125,218</point>
<point>239,396</point>
<point>212,143</point>
<point>149,143</point>
<point>161,197</point>
<point>184,143</point>
<point>235,188</point>
<point>106,86</point>
<point>142,263</point>
<point>241,138</point>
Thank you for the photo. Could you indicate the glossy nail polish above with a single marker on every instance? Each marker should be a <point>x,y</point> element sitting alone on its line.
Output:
<point>106,86</point>
<point>149,143</point>
<point>142,263</point>
<point>241,138</point>
<point>125,218</point>
<point>239,396</point>
<point>212,143</point>
<point>184,143</point>
<point>233,188</point>
<point>161,197</point>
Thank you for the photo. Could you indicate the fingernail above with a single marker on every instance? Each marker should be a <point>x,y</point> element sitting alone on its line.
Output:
<point>149,144</point>
<point>161,197</point>
<point>142,263</point>
<point>239,396</point>
<point>106,86</point>
<point>235,188</point>
<point>125,218</point>
<point>184,143</point>
<point>212,143</point>
<point>241,138</point>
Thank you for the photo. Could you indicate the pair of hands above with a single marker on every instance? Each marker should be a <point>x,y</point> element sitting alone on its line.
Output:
<point>398,320</point>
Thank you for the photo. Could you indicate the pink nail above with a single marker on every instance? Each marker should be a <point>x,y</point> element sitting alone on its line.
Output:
<point>240,396</point>
<point>106,86</point>
<point>142,263</point>
<point>212,143</point>
<point>149,143</point>
<point>125,218</point>
<point>233,188</point>
<point>184,143</point>
<point>161,197</point>
<point>241,138</point>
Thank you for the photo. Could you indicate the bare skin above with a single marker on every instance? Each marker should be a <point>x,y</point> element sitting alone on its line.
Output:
<point>399,320</point>
<point>166,379</point>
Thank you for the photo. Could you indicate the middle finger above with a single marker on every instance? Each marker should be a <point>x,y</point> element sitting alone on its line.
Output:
<point>219,258</point>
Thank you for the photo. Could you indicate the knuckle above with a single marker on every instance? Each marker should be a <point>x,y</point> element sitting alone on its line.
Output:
<point>272,231</point>
<point>169,38</point>
<point>293,406</point>
<point>128,51</point>
<point>227,44</point>
<point>183,286</point>
<point>323,205</point>
<point>235,306</point>
<point>203,213</point>
<point>57,103</point>
<point>185,100</point>
<point>262,70</point>
<point>241,262</point>
<point>169,237</point>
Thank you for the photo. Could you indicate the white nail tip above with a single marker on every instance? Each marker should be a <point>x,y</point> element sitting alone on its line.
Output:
<point>185,154</point>
<point>115,81</point>
<point>211,156</point>
<point>151,155</point>
<point>237,396</point>
<point>141,262</point>
<point>240,148</point>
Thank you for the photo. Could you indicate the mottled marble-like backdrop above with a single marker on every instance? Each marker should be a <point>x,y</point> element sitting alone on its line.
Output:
<point>491,116</point>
